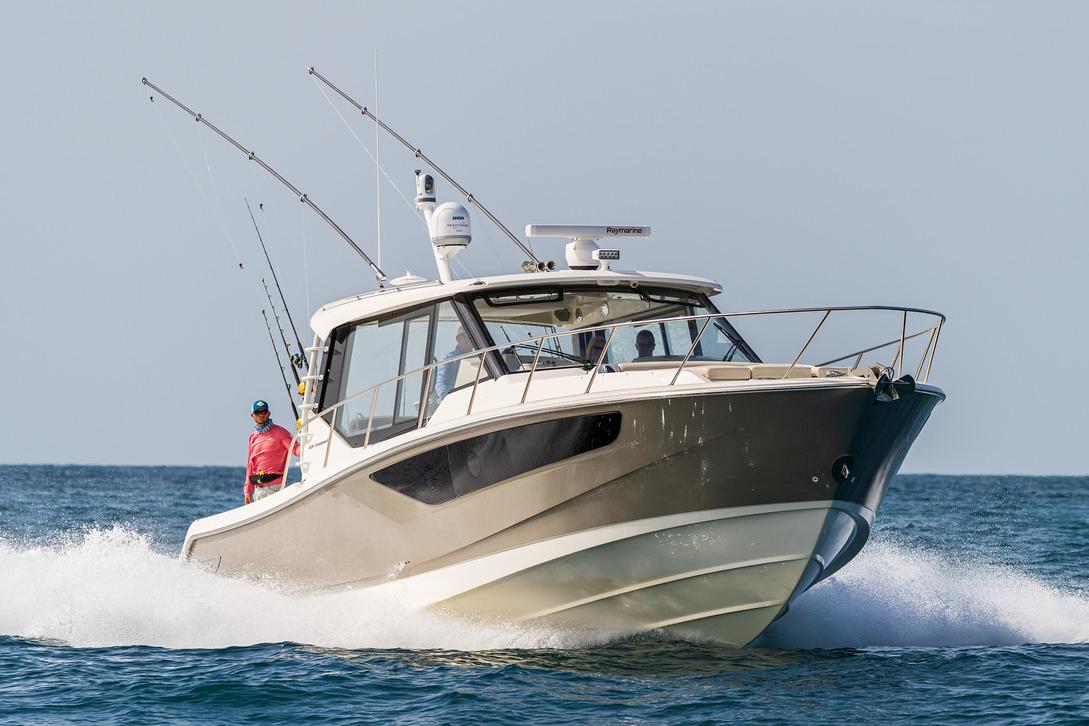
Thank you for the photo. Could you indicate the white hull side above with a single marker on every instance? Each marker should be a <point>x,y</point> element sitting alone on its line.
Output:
<point>720,575</point>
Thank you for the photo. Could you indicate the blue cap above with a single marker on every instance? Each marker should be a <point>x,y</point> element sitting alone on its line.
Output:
<point>260,405</point>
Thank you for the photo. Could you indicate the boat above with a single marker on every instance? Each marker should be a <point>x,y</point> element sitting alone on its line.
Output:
<point>588,448</point>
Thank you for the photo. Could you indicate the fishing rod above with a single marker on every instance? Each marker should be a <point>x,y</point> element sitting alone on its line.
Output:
<point>297,358</point>
<point>379,275</point>
<point>435,167</point>
<point>276,352</point>
<point>294,360</point>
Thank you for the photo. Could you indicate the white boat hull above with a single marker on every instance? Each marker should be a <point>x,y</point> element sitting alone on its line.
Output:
<point>696,519</point>
<point>720,575</point>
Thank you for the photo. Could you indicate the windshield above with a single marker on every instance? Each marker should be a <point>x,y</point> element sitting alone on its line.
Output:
<point>572,314</point>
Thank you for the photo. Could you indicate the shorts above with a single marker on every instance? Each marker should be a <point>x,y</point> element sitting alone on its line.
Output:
<point>262,492</point>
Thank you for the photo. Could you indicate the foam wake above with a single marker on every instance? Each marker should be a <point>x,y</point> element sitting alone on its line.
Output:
<point>894,595</point>
<point>107,587</point>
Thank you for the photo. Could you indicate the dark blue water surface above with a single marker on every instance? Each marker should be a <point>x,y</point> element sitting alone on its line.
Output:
<point>971,601</point>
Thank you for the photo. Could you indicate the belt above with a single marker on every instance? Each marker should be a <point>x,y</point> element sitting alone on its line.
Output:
<point>264,479</point>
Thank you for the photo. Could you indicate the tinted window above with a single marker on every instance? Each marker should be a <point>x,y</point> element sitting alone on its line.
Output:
<point>454,470</point>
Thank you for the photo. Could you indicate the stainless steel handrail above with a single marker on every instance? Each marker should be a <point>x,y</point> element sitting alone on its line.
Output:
<point>925,331</point>
<point>481,354</point>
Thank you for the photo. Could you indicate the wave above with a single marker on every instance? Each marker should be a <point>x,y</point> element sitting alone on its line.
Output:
<point>109,587</point>
<point>896,595</point>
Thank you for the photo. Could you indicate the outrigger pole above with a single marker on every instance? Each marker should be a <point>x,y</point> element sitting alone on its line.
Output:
<point>297,358</point>
<point>423,157</point>
<point>276,352</point>
<point>379,275</point>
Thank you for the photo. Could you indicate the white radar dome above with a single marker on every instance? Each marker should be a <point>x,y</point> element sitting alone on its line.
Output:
<point>450,226</point>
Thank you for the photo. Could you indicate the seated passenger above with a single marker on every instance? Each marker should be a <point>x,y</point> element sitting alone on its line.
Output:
<point>448,374</point>
<point>594,346</point>
<point>645,344</point>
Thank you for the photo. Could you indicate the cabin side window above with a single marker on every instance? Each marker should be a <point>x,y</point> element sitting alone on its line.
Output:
<point>376,366</point>
<point>452,342</point>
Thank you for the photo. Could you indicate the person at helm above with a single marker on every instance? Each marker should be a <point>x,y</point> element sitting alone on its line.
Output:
<point>266,459</point>
<point>645,344</point>
<point>448,372</point>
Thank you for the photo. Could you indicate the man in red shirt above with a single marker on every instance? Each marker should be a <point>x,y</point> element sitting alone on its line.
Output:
<point>267,455</point>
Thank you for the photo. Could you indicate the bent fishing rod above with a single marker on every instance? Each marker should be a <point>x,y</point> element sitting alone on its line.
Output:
<point>379,275</point>
<point>292,360</point>
<point>423,157</point>
<point>295,359</point>
<point>276,352</point>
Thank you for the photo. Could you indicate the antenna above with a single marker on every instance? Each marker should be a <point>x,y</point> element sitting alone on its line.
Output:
<point>379,275</point>
<point>377,166</point>
<point>435,167</point>
<point>448,225</point>
<point>582,252</point>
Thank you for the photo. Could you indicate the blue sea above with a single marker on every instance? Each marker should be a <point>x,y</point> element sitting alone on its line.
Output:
<point>971,602</point>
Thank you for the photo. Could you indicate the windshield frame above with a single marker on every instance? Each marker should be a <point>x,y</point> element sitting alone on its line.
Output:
<point>658,294</point>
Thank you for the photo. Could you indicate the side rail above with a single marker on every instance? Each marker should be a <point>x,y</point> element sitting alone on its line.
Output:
<point>540,345</point>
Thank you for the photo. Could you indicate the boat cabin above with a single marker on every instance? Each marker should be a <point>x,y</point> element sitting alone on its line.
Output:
<point>400,333</point>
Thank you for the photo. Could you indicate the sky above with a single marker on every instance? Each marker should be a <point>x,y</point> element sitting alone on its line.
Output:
<point>928,154</point>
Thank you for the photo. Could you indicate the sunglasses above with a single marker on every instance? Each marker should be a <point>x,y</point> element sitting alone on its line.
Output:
<point>261,412</point>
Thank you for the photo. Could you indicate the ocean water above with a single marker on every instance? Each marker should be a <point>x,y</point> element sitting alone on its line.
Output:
<point>971,601</point>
